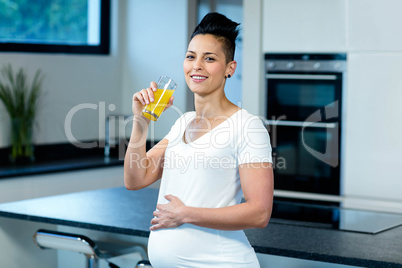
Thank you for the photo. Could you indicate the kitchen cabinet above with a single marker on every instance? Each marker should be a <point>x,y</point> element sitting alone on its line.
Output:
<point>374,25</point>
<point>372,130</point>
<point>304,26</point>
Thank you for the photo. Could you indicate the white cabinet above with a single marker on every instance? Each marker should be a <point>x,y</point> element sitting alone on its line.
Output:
<point>373,126</point>
<point>304,26</point>
<point>375,25</point>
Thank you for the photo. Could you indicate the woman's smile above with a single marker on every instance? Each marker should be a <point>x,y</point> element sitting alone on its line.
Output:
<point>198,78</point>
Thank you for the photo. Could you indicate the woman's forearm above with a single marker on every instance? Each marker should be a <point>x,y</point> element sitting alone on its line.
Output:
<point>135,161</point>
<point>236,217</point>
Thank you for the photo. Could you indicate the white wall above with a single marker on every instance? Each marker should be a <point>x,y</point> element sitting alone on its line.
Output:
<point>253,82</point>
<point>70,80</point>
<point>156,43</point>
<point>234,11</point>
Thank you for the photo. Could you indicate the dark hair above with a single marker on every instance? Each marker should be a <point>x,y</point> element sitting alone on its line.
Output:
<point>224,29</point>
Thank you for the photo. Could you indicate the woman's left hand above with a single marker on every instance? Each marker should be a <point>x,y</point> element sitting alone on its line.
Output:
<point>168,215</point>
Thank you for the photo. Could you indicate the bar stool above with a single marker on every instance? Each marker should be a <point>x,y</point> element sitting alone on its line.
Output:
<point>47,239</point>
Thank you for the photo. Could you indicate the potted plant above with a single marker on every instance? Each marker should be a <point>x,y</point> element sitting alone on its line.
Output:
<point>21,103</point>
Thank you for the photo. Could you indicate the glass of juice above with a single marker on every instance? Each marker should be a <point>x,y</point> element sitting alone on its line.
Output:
<point>165,88</point>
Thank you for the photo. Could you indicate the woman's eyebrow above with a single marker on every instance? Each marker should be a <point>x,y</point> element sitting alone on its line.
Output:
<point>205,53</point>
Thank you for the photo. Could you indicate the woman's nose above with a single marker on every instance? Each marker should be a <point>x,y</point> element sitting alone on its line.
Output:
<point>197,65</point>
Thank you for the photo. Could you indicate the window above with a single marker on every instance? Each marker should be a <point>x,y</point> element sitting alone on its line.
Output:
<point>55,26</point>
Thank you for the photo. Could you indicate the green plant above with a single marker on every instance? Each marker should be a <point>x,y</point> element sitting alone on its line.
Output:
<point>21,102</point>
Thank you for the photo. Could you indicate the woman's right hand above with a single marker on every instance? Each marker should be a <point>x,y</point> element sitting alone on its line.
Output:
<point>142,98</point>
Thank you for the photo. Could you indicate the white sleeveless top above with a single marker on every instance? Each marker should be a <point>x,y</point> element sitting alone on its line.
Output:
<point>205,173</point>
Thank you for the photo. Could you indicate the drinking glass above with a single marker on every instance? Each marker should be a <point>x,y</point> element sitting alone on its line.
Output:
<point>165,89</point>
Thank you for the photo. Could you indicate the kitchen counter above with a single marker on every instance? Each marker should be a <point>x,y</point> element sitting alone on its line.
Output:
<point>334,246</point>
<point>118,210</point>
<point>58,166</point>
<point>63,157</point>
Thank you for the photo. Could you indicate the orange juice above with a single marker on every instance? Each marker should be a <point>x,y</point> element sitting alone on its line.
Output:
<point>161,98</point>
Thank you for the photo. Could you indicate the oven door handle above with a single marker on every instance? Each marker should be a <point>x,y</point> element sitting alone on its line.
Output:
<point>301,76</point>
<point>300,124</point>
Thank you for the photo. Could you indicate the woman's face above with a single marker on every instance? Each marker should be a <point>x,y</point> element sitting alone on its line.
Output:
<point>205,65</point>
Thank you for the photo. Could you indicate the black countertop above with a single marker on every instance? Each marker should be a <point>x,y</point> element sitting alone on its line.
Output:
<point>118,210</point>
<point>58,165</point>
<point>51,158</point>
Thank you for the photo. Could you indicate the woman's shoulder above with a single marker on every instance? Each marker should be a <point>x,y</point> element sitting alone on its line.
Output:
<point>247,119</point>
<point>252,130</point>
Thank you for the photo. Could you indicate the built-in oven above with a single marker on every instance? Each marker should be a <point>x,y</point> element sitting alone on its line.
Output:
<point>304,108</point>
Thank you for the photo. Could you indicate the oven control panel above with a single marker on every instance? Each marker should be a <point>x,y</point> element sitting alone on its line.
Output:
<point>305,62</point>
<point>308,66</point>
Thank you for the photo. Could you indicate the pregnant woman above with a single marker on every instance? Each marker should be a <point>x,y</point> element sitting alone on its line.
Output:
<point>210,159</point>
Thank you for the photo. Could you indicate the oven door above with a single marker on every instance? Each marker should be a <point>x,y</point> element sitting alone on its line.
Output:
<point>306,158</point>
<point>295,96</point>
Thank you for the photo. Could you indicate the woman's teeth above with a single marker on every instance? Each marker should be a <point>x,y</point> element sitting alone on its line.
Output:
<point>199,77</point>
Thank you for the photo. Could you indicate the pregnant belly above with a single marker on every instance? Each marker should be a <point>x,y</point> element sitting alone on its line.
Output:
<point>193,246</point>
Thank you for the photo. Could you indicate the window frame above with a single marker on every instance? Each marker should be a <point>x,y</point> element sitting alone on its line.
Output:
<point>103,48</point>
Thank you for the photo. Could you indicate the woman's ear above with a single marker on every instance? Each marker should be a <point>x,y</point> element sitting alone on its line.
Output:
<point>231,68</point>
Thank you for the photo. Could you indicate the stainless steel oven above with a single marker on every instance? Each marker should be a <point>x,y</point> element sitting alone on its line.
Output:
<point>304,108</point>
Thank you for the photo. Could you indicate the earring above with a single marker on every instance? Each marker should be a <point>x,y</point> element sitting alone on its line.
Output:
<point>229,76</point>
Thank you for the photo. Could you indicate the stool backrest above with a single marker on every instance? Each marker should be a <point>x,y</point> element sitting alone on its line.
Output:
<point>65,241</point>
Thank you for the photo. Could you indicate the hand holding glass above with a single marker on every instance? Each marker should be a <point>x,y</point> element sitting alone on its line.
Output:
<point>165,89</point>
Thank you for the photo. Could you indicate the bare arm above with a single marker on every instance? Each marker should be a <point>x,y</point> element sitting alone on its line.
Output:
<point>257,184</point>
<point>143,168</point>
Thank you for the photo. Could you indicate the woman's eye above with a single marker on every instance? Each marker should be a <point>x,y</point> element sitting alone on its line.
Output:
<point>210,59</point>
<point>189,57</point>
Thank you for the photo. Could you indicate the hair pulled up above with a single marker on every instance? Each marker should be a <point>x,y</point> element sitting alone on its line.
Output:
<point>224,30</point>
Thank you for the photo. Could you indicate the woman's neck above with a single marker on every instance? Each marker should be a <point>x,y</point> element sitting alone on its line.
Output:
<point>213,106</point>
